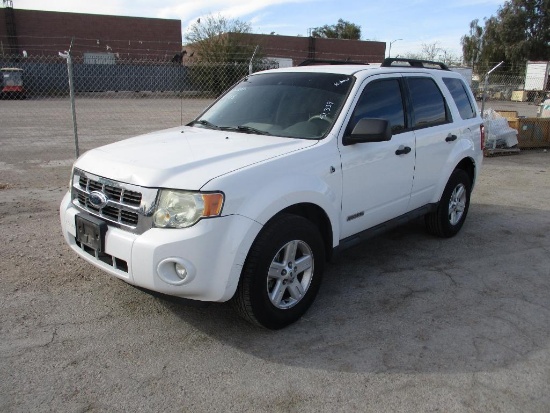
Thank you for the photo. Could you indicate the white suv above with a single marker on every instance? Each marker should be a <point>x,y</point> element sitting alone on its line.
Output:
<point>247,202</point>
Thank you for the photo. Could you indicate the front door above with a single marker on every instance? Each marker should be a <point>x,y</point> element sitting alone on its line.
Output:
<point>377,176</point>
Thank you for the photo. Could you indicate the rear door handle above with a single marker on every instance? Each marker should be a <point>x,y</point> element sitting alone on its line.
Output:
<point>450,138</point>
<point>403,150</point>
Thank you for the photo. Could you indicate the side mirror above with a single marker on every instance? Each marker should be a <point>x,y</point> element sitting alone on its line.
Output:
<point>369,130</point>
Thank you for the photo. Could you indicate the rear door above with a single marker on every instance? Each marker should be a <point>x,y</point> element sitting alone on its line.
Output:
<point>435,134</point>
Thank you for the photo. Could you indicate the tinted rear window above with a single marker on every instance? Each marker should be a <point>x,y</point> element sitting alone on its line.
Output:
<point>427,101</point>
<point>460,96</point>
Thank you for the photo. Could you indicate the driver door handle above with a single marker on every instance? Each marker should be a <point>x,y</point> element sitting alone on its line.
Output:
<point>403,150</point>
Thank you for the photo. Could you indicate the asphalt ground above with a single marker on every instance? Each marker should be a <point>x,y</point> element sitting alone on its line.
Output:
<point>406,322</point>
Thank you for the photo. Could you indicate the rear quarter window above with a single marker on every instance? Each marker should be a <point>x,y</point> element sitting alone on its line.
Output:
<point>460,96</point>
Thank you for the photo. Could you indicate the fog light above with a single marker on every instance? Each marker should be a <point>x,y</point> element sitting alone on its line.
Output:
<point>181,271</point>
<point>176,271</point>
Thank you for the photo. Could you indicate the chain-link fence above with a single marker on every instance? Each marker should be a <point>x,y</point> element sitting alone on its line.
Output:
<point>48,76</point>
<point>117,98</point>
<point>111,101</point>
<point>523,100</point>
<point>515,86</point>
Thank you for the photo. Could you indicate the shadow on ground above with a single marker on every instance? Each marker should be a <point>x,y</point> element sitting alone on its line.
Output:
<point>407,301</point>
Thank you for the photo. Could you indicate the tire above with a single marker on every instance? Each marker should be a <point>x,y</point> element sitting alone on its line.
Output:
<point>447,220</point>
<point>282,273</point>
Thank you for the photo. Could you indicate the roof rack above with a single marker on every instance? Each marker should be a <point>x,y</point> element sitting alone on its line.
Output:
<point>413,63</point>
<point>313,62</point>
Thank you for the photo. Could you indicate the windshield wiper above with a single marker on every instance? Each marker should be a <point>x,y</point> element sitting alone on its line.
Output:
<point>204,123</point>
<point>246,129</point>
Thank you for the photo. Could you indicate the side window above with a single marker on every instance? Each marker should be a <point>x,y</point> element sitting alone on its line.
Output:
<point>381,99</point>
<point>460,96</point>
<point>428,103</point>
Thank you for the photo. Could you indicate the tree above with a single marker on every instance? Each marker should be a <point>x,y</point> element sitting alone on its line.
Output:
<point>216,39</point>
<point>520,31</point>
<point>221,52</point>
<point>471,44</point>
<point>341,30</point>
<point>492,48</point>
<point>430,51</point>
<point>434,52</point>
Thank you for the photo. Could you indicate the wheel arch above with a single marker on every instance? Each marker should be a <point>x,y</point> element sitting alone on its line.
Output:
<point>468,165</point>
<point>315,214</point>
<point>464,158</point>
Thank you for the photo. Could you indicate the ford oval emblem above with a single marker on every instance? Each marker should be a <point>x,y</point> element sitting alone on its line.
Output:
<point>98,199</point>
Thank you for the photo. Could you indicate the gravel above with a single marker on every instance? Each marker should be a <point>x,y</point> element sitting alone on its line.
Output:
<point>405,322</point>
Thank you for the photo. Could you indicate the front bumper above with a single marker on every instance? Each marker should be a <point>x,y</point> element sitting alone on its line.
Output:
<point>213,251</point>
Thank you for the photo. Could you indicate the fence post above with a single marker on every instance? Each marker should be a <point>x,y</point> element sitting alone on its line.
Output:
<point>73,109</point>
<point>485,87</point>
<point>250,67</point>
<point>67,55</point>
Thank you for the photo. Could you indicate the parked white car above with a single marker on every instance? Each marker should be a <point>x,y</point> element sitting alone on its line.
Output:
<point>247,202</point>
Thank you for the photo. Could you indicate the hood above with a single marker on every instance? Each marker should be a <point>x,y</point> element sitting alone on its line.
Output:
<point>184,157</point>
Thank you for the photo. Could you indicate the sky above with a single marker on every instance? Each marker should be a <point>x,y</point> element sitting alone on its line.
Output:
<point>407,25</point>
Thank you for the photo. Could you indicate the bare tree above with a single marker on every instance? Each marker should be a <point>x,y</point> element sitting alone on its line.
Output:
<point>431,51</point>
<point>434,52</point>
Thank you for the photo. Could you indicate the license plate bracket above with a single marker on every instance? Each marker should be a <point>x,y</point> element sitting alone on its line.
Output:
<point>91,231</point>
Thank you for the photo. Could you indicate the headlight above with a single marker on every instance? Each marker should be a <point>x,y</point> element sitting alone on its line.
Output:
<point>179,209</point>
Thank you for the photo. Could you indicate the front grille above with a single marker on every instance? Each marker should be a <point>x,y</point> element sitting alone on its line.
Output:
<point>125,204</point>
<point>118,195</point>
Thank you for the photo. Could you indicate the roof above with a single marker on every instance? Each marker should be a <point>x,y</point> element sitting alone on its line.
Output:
<point>388,66</point>
<point>355,69</point>
<point>337,69</point>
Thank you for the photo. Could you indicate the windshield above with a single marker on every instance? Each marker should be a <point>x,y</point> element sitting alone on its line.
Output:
<point>296,105</point>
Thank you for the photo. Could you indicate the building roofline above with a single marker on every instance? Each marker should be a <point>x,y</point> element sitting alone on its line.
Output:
<point>93,14</point>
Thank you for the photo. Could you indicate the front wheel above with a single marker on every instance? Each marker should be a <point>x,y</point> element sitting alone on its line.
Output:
<point>451,212</point>
<point>282,273</point>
